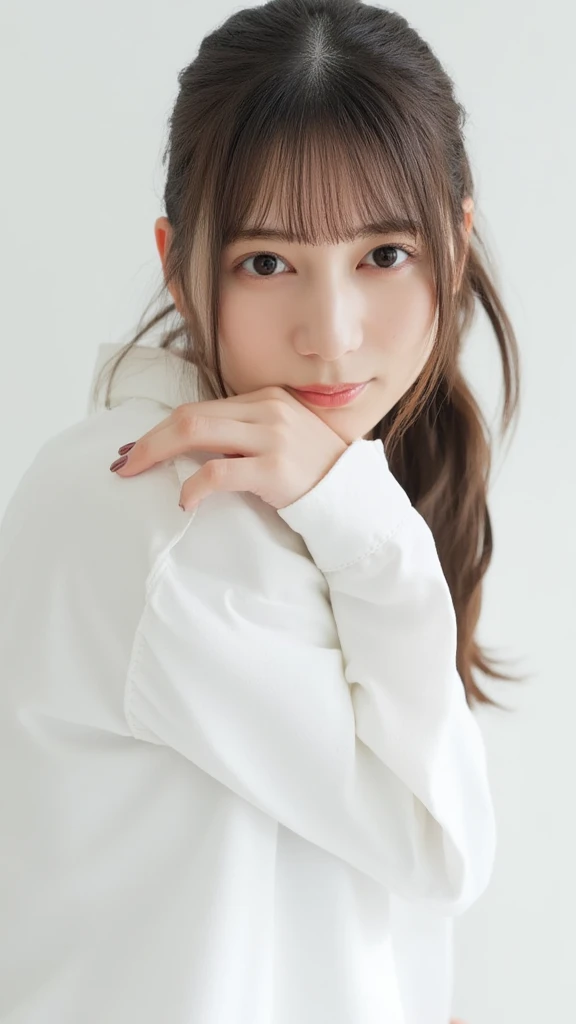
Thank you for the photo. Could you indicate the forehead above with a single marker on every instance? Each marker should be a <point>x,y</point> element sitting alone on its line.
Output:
<point>318,195</point>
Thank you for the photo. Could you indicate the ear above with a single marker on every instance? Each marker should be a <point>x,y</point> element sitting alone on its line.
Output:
<point>163,234</point>
<point>468,209</point>
<point>467,225</point>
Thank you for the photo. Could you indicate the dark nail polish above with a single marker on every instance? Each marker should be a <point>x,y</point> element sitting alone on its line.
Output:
<point>126,448</point>
<point>119,463</point>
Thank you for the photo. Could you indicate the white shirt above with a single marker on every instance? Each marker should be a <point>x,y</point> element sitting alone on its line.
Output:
<point>241,783</point>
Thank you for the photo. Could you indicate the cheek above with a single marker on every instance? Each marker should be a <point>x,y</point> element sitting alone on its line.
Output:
<point>237,322</point>
<point>245,311</point>
<point>404,318</point>
<point>245,337</point>
<point>407,333</point>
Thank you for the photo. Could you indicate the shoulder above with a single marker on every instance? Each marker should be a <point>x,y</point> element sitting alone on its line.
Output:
<point>72,510</point>
<point>75,528</point>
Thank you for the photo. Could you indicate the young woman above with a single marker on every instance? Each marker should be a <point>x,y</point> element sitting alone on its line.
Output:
<point>243,781</point>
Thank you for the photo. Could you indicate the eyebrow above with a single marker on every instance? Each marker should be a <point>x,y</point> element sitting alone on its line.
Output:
<point>384,227</point>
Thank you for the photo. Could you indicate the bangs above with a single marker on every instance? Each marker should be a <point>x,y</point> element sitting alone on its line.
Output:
<point>319,183</point>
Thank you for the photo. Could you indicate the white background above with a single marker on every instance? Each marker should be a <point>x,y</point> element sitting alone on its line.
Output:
<point>86,90</point>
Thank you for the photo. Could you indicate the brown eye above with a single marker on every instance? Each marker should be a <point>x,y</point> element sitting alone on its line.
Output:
<point>386,256</point>
<point>264,264</point>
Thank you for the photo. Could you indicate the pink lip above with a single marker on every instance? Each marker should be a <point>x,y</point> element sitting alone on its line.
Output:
<point>334,398</point>
<point>330,389</point>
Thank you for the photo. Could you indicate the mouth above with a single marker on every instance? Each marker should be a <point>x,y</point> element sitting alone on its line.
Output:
<point>331,398</point>
<point>329,389</point>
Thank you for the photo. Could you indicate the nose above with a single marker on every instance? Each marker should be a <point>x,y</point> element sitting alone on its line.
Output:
<point>329,321</point>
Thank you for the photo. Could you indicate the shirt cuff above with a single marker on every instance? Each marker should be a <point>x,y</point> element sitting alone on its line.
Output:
<point>352,510</point>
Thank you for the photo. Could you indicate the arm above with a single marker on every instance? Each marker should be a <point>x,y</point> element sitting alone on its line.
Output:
<point>358,740</point>
<point>397,629</point>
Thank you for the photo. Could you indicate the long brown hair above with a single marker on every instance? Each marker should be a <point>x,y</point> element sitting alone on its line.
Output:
<point>337,109</point>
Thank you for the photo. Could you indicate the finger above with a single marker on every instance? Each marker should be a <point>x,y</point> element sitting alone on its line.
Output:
<point>186,434</point>
<point>216,407</point>
<point>220,475</point>
<point>141,453</point>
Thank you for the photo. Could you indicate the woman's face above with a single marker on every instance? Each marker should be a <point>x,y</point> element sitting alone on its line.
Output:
<point>302,314</point>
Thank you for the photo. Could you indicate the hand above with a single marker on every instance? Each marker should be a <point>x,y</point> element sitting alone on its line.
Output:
<point>281,448</point>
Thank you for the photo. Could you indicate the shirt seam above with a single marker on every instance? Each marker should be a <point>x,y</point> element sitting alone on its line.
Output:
<point>375,547</point>
<point>152,581</point>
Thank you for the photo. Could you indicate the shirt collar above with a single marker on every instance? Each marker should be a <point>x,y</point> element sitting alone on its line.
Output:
<point>145,372</point>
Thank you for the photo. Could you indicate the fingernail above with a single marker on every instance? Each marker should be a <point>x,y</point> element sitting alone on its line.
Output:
<point>119,463</point>
<point>126,448</point>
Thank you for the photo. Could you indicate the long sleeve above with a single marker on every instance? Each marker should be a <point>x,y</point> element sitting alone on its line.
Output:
<point>363,744</point>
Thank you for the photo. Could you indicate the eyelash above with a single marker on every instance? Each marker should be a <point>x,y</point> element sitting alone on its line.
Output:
<point>410,253</point>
